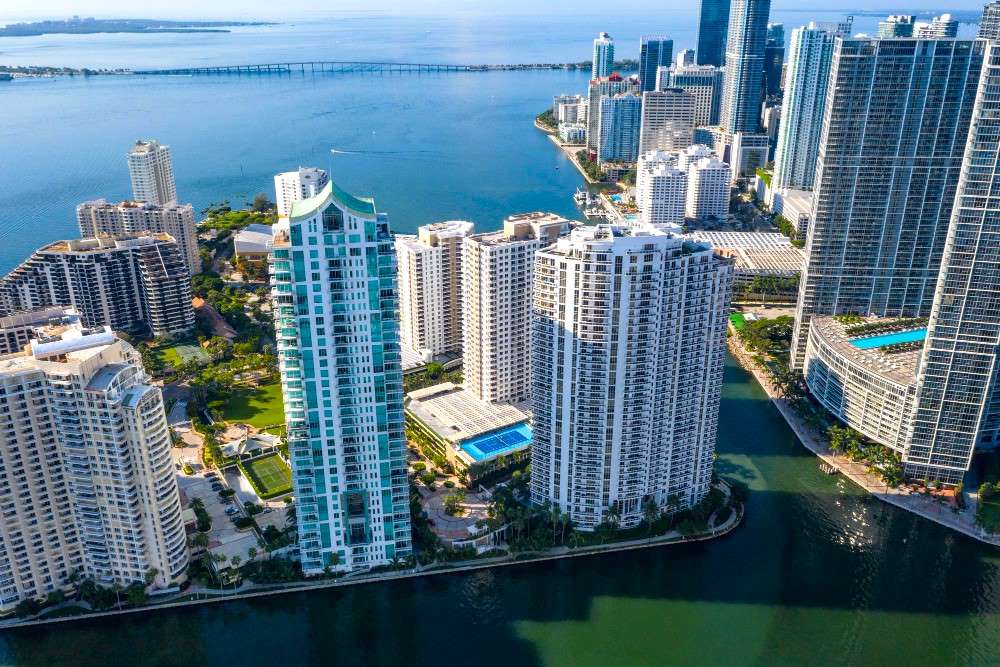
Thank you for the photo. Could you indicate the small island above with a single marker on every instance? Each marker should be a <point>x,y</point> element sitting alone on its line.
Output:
<point>90,25</point>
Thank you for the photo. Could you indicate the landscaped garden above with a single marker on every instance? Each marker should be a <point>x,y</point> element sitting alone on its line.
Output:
<point>269,476</point>
<point>260,407</point>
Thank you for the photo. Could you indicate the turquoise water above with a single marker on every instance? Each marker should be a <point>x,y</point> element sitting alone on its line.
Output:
<point>504,441</point>
<point>890,339</point>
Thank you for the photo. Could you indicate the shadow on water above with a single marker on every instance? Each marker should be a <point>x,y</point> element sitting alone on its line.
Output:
<point>818,573</point>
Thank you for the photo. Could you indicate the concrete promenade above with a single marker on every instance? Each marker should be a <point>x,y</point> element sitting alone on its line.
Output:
<point>925,506</point>
<point>192,596</point>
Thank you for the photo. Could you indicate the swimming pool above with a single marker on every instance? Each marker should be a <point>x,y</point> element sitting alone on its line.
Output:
<point>616,199</point>
<point>914,336</point>
<point>495,443</point>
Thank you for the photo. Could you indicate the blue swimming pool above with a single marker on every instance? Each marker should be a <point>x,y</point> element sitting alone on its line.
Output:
<point>492,444</point>
<point>616,199</point>
<point>914,336</point>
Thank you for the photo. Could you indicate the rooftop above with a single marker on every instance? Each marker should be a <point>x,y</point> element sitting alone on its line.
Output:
<point>304,208</point>
<point>897,365</point>
<point>756,252</point>
<point>456,414</point>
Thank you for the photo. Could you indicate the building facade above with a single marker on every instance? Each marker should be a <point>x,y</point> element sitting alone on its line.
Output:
<point>293,186</point>
<point>430,288</point>
<point>137,284</point>
<point>774,59</point>
<point>628,341</point>
<point>497,271</point>
<point>939,27</point>
<point>704,82</point>
<point>604,56</point>
<point>99,218</point>
<point>661,194</point>
<point>18,329</point>
<point>989,25</point>
<point>667,121</point>
<point>620,123</point>
<point>333,270</point>
<point>713,24</point>
<point>708,189</point>
<point>654,52</point>
<point>152,173</point>
<point>897,25</point>
<point>742,91</point>
<point>596,92</point>
<point>886,180</point>
<point>89,485</point>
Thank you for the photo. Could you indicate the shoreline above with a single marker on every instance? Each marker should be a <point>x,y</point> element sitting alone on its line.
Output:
<point>916,504</point>
<point>264,590</point>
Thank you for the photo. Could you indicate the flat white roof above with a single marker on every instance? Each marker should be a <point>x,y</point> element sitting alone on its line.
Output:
<point>457,414</point>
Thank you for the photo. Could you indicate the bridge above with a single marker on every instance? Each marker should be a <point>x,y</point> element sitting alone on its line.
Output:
<point>336,66</point>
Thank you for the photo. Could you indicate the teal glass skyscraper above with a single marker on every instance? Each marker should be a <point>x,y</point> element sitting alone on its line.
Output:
<point>713,22</point>
<point>333,269</point>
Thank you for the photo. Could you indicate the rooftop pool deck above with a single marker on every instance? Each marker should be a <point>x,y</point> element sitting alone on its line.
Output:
<point>495,443</point>
<point>913,336</point>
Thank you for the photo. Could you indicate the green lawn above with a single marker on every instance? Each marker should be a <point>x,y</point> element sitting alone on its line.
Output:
<point>269,475</point>
<point>737,320</point>
<point>988,515</point>
<point>181,353</point>
<point>260,407</point>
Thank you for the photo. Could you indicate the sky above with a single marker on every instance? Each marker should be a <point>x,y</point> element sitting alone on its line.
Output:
<point>296,9</point>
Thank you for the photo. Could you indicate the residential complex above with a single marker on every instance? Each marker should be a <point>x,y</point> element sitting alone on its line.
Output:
<point>661,193</point>
<point>99,218</point>
<point>604,56</point>
<point>713,23</point>
<point>886,181</point>
<point>897,25</point>
<point>989,25</point>
<point>628,341</point>
<point>654,52</point>
<point>292,186</point>
<point>89,487</point>
<point>17,329</point>
<point>333,270</point>
<point>152,172</point>
<point>620,122</point>
<point>708,190</point>
<point>747,37</point>
<point>569,108</point>
<point>596,92</point>
<point>138,284</point>
<point>497,271</point>
<point>809,57</point>
<point>704,82</point>
<point>667,121</point>
<point>430,288</point>
<point>940,27</point>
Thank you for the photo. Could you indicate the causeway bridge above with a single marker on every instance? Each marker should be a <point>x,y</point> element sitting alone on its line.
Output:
<point>339,66</point>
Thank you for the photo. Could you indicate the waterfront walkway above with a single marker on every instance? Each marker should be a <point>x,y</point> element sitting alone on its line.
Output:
<point>923,505</point>
<point>196,595</point>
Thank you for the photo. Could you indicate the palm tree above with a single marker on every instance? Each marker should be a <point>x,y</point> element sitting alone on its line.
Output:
<point>650,513</point>
<point>613,516</point>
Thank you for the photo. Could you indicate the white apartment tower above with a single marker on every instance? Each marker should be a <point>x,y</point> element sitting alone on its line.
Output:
<point>152,173</point>
<point>497,269</point>
<point>430,287</point>
<point>667,120</point>
<point>88,483</point>
<point>661,195</point>
<point>628,340</point>
<point>99,218</point>
<point>708,182</point>
<point>333,276</point>
<point>292,186</point>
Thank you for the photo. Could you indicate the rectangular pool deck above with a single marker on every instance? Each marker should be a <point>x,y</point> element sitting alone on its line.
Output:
<point>914,336</point>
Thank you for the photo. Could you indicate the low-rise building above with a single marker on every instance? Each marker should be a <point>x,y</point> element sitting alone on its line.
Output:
<point>251,243</point>
<point>573,133</point>
<point>756,254</point>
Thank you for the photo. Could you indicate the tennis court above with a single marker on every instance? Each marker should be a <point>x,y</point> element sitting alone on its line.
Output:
<point>493,444</point>
<point>269,475</point>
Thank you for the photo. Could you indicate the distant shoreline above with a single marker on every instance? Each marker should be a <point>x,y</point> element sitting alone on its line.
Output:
<point>91,26</point>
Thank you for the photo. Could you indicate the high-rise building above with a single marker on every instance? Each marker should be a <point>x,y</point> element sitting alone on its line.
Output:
<point>620,122</point>
<point>138,284</point>
<point>702,81</point>
<point>989,25</point>
<point>99,218</point>
<point>152,173</point>
<point>430,287</point>
<point>93,491</point>
<point>741,96</point>
<point>292,186</point>
<point>661,193</point>
<point>597,90</point>
<point>809,58</point>
<point>333,272</point>
<point>886,178</point>
<point>713,24</point>
<point>17,329</point>
<point>939,27</point>
<point>604,56</point>
<point>569,108</point>
<point>774,58</point>
<point>957,407</point>
<point>708,189</point>
<point>685,58</point>
<point>667,121</point>
<point>497,270</point>
<point>897,25</point>
<point>628,341</point>
<point>654,52</point>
